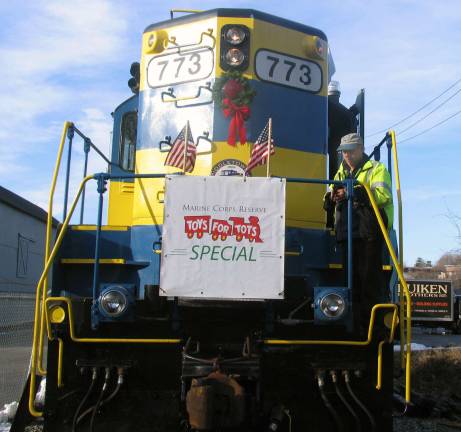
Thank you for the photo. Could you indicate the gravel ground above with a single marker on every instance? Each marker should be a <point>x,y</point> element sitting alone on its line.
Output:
<point>436,391</point>
<point>401,424</point>
<point>409,424</point>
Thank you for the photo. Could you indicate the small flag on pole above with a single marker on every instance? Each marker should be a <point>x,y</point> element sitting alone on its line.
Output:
<point>261,152</point>
<point>180,155</point>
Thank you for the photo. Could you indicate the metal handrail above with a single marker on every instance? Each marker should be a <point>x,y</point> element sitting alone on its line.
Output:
<point>40,287</point>
<point>41,290</point>
<point>391,141</point>
<point>192,11</point>
<point>73,336</point>
<point>400,218</point>
<point>94,147</point>
<point>403,283</point>
<point>87,146</point>
<point>68,131</point>
<point>365,342</point>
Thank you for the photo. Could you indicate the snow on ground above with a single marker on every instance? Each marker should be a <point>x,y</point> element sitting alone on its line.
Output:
<point>414,347</point>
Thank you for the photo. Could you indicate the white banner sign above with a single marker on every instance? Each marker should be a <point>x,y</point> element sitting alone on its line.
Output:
<point>223,238</point>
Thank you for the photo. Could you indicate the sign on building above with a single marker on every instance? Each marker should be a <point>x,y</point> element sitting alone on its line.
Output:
<point>431,300</point>
<point>223,237</point>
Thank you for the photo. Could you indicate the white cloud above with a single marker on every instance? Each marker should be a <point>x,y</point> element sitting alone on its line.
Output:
<point>45,58</point>
<point>59,38</point>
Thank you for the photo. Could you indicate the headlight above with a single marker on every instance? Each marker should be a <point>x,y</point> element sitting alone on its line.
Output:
<point>235,35</point>
<point>332,305</point>
<point>234,57</point>
<point>113,302</point>
<point>235,47</point>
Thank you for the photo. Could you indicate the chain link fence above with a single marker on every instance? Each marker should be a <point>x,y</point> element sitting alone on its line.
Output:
<point>16,331</point>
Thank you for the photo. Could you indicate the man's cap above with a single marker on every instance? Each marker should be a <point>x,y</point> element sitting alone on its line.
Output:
<point>350,142</point>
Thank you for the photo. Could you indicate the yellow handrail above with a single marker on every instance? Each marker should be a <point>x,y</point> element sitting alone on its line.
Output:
<point>403,285</point>
<point>339,342</point>
<point>41,291</point>
<point>379,377</point>
<point>77,339</point>
<point>37,318</point>
<point>399,194</point>
<point>400,219</point>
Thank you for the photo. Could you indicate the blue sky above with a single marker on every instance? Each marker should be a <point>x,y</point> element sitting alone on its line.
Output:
<point>70,61</point>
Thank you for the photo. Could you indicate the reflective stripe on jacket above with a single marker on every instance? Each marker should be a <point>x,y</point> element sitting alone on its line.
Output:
<point>376,177</point>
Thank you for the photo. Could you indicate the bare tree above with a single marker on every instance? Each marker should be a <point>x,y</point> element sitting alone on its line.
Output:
<point>455,220</point>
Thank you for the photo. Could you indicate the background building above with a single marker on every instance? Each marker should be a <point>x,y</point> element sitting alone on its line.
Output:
<point>22,246</point>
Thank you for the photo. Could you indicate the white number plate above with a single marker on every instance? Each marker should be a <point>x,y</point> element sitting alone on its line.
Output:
<point>176,68</point>
<point>288,71</point>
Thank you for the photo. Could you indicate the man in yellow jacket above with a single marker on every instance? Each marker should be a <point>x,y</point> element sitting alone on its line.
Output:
<point>368,284</point>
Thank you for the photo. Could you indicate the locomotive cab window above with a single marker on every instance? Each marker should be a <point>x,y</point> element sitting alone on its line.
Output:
<point>128,140</point>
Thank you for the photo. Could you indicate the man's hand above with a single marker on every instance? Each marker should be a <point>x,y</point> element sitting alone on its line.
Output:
<point>339,194</point>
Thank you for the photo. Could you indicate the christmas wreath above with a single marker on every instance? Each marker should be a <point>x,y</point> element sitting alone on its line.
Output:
<point>233,93</point>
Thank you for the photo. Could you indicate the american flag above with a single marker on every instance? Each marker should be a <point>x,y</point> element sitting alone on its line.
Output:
<point>260,150</point>
<point>175,156</point>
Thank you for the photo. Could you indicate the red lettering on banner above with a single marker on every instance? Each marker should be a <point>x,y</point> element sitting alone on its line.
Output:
<point>250,231</point>
<point>222,229</point>
<point>198,225</point>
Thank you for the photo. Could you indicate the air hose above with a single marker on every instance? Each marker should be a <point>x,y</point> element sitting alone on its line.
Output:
<point>347,380</point>
<point>101,394</point>
<point>326,401</point>
<point>334,378</point>
<point>94,377</point>
<point>120,381</point>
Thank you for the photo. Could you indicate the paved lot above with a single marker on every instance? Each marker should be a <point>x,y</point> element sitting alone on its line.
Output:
<point>16,315</point>
<point>435,338</point>
<point>14,364</point>
<point>15,347</point>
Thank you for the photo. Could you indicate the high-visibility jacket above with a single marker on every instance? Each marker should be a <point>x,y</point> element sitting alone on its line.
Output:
<point>375,175</point>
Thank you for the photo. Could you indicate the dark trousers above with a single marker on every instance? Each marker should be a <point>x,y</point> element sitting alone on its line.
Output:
<point>368,284</point>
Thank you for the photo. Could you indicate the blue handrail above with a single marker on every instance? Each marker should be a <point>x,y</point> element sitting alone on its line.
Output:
<point>87,146</point>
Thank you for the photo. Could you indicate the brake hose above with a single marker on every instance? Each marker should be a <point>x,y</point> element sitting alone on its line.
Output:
<point>120,381</point>
<point>101,394</point>
<point>321,384</point>
<point>94,377</point>
<point>357,401</point>
<point>334,378</point>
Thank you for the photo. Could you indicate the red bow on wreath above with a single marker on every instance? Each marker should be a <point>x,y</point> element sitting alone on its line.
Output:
<point>237,124</point>
<point>234,94</point>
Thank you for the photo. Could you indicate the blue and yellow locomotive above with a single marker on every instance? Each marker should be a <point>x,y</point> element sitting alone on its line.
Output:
<point>122,356</point>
